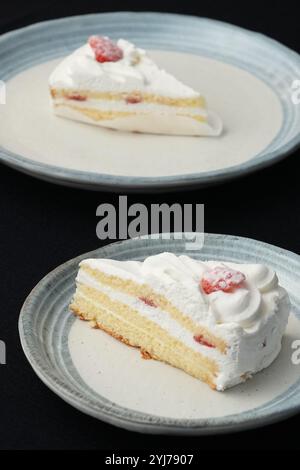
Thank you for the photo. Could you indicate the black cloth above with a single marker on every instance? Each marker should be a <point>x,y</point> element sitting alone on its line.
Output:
<point>43,225</point>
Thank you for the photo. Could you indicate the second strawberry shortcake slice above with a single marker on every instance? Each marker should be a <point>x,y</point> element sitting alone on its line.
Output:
<point>117,85</point>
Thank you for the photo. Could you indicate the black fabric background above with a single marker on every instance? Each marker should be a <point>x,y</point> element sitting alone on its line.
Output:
<point>43,225</point>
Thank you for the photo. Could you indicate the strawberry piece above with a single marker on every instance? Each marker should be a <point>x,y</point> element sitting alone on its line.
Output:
<point>222,278</point>
<point>148,301</point>
<point>77,97</point>
<point>200,339</point>
<point>133,99</point>
<point>105,50</point>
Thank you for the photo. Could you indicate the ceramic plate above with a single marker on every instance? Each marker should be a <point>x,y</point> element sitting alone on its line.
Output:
<point>110,381</point>
<point>246,77</point>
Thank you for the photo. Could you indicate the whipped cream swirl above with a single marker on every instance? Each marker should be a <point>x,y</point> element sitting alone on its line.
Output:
<point>246,305</point>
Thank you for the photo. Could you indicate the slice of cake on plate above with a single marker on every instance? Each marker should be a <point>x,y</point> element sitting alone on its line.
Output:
<point>220,323</point>
<point>117,85</point>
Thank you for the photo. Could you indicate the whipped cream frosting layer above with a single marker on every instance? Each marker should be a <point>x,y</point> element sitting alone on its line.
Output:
<point>151,122</point>
<point>134,72</point>
<point>251,319</point>
<point>142,107</point>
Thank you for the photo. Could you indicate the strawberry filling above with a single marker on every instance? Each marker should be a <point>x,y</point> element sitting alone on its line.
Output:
<point>133,99</point>
<point>148,301</point>
<point>221,278</point>
<point>200,339</point>
<point>77,97</point>
<point>105,50</point>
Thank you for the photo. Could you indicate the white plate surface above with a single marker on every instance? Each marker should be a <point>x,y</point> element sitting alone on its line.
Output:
<point>250,110</point>
<point>118,373</point>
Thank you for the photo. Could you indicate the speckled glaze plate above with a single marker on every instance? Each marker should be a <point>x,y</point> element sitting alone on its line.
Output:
<point>246,77</point>
<point>108,380</point>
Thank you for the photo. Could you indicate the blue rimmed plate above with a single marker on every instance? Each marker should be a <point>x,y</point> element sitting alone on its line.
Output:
<point>108,380</point>
<point>246,77</point>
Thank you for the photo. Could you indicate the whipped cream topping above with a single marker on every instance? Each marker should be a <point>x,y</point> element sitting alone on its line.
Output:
<point>136,71</point>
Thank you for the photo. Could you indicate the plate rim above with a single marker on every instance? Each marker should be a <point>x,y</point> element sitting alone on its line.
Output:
<point>103,181</point>
<point>117,414</point>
